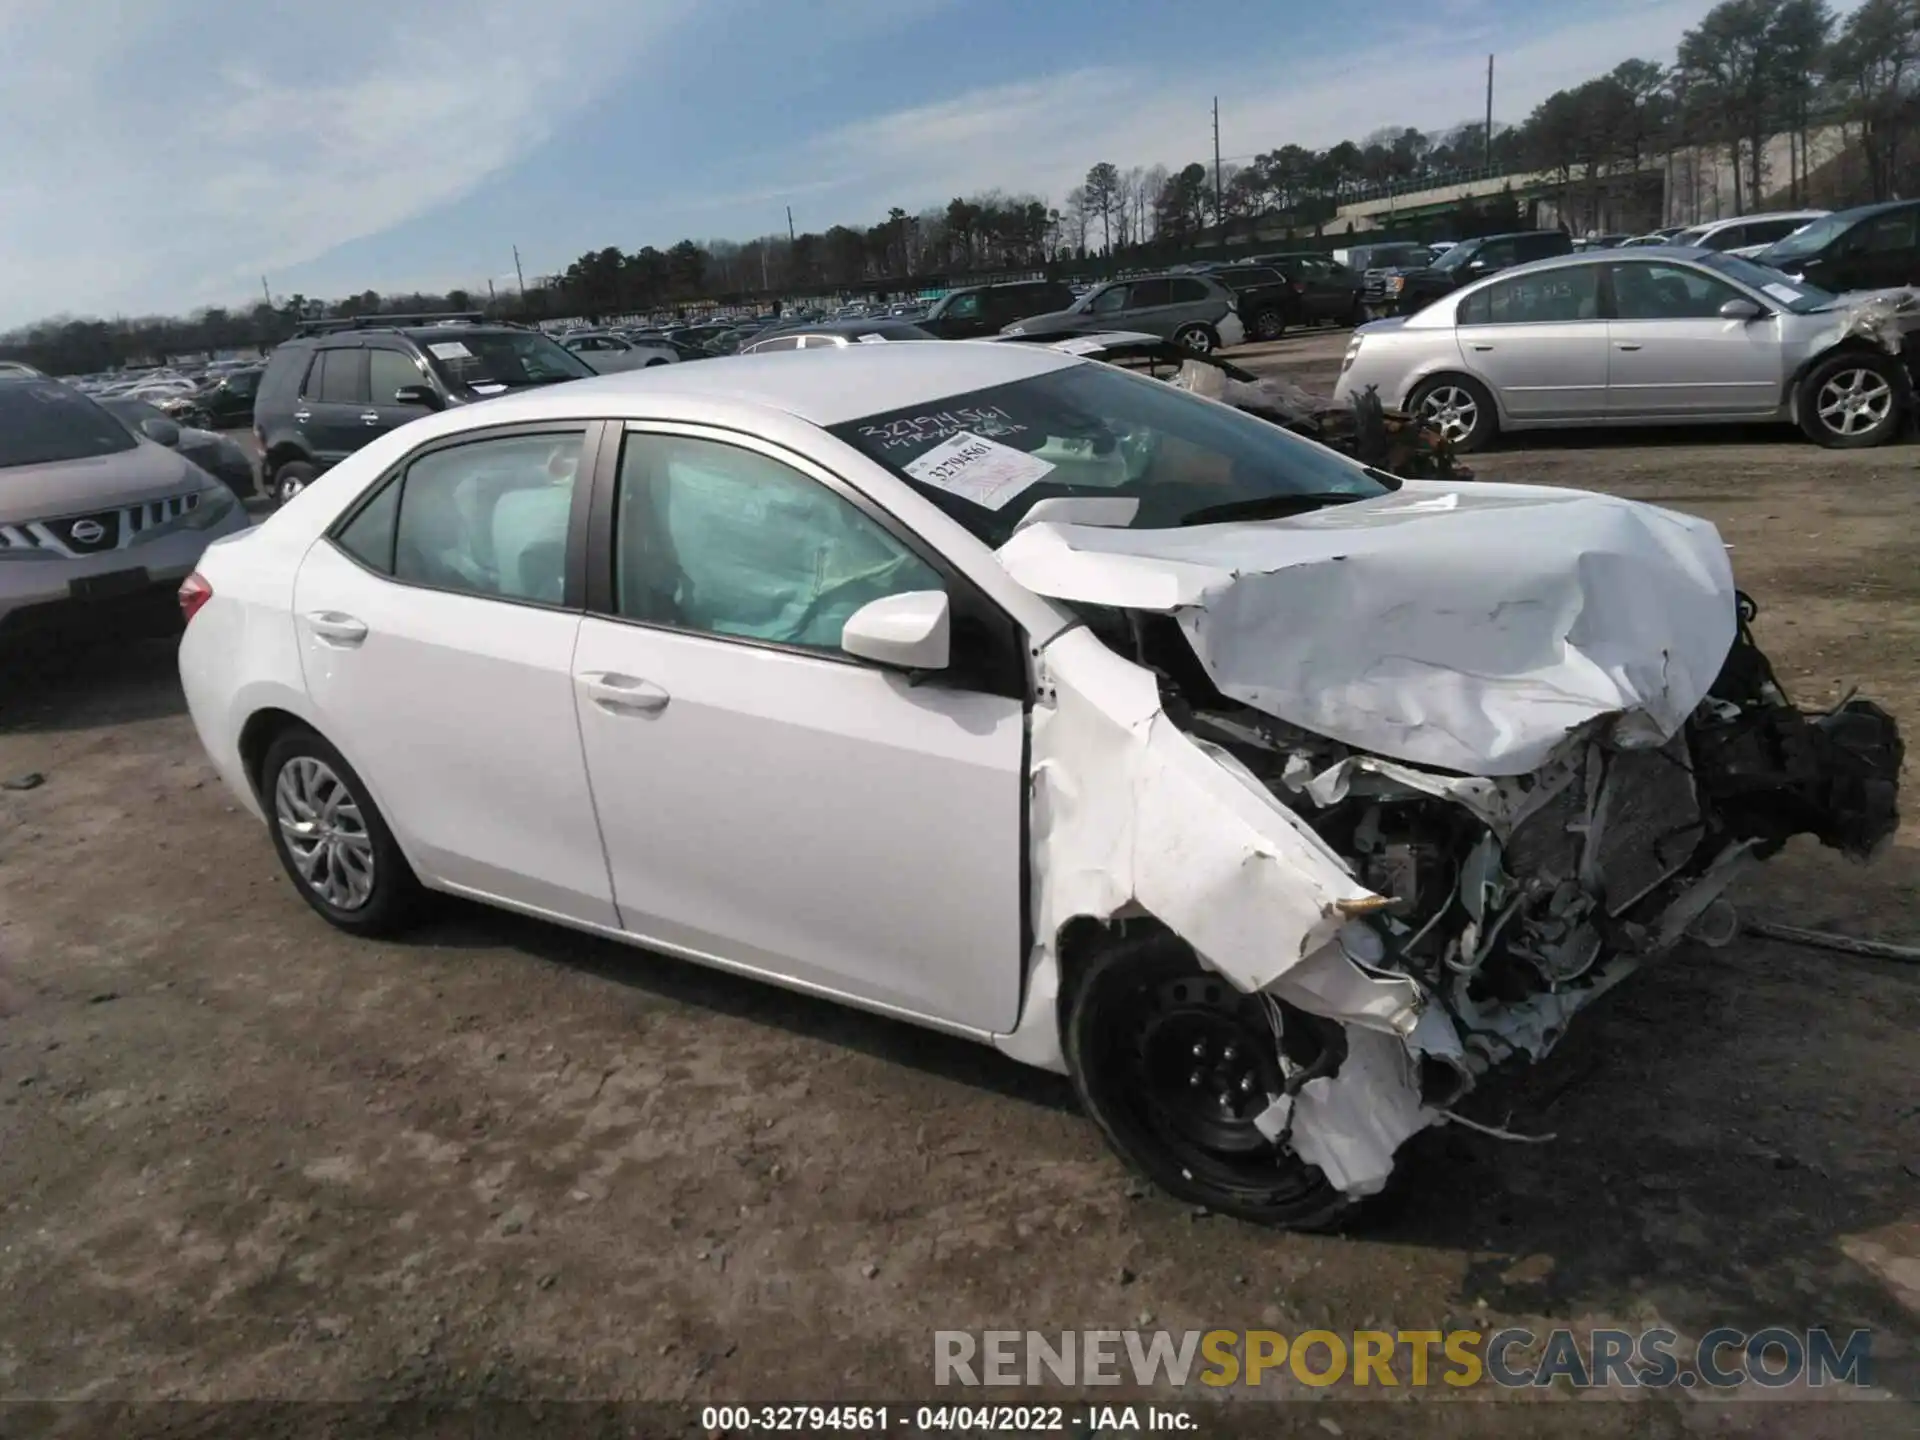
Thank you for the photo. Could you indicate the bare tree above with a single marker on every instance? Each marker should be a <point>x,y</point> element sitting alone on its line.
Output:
<point>1103,194</point>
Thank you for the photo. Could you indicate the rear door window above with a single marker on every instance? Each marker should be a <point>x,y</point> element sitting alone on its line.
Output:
<point>1145,294</point>
<point>1191,292</point>
<point>341,379</point>
<point>1555,296</point>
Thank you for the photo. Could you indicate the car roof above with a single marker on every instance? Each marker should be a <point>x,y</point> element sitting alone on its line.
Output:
<point>1710,225</point>
<point>1859,212</point>
<point>1640,254</point>
<point>823,387</point>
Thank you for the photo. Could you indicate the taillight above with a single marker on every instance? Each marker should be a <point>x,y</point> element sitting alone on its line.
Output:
<point>194,592</point>
<point>1299,287</point>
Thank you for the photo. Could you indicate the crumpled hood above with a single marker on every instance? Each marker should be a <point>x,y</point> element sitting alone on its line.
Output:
<point>1467,629</point>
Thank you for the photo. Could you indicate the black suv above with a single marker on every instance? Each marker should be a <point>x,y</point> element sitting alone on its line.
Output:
<point>1870,247</point>
<point>225,403</point>
<point>1414,289</point>
<point>987,309</point>
<point>339,384</point>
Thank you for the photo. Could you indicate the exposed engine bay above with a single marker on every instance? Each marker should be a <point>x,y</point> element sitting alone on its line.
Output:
<point>1505,905</point>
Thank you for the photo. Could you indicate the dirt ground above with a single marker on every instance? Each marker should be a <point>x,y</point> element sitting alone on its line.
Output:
<point>243,1156</point>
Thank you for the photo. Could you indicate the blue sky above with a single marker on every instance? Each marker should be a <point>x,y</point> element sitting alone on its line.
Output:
<point>165,156</point>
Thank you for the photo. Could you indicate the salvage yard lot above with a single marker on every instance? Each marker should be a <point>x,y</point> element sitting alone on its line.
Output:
<point>244,1155</point>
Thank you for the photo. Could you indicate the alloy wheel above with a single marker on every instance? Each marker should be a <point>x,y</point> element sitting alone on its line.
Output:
<point>325,831</point>
<point>1452,411</point>
<point>1854,401</point>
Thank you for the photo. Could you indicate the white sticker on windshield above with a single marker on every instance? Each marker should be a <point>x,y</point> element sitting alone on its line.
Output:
<point>873,339</point>
<point>450,350</point>
<point>979,470</point>
<point>1085,345</point>
<point>490,387</point>
<point>1784,293</point>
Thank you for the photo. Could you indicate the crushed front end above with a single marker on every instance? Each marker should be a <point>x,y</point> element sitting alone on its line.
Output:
<point>1420,778</point>
<point>1506,905</point>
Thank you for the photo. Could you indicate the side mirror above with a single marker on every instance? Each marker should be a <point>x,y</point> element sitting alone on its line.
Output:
<point>161,432</point>
<point>1742,309</point>
<point>908,632</point>
<point>422,395</point>
<point>1476,266</point>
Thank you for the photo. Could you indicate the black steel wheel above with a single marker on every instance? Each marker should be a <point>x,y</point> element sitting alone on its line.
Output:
<point>1173,1064</point>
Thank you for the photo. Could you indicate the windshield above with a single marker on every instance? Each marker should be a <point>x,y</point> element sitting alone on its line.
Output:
<point>1689,237</point>
<point>42,423</point>
<point>988,456</point>
<point>1806,240</point>
<point>512,359</point>
<point>1796,295</point>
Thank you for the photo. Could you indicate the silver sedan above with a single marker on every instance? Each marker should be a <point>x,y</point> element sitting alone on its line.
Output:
<point>1655,335</point>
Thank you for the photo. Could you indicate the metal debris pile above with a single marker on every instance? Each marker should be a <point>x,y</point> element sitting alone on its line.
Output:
<point>1389,440</point>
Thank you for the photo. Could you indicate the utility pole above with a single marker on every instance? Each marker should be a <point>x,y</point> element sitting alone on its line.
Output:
<point>491,297</point>
<point>1487,138</point>
<point>519,274</point>
<point>265,293</point>
<point>1218,218</point>
<point>789,225</point>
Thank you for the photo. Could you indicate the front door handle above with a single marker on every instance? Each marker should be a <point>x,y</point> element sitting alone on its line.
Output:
<point>372,417</point>
<point>334,628</point>
<point>300,417</point>
<point>1628,345</point>
<point>1478,345</point>
<point>624,694</point>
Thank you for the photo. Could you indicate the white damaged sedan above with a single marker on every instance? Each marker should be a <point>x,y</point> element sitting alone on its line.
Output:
<point>1273,799</point>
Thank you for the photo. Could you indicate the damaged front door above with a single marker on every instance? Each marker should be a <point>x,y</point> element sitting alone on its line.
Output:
<point>767,801</point>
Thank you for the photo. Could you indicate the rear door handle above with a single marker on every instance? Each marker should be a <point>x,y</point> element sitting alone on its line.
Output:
<point>370,418</point>
<point>1478,345</point>
<point>1628,345</point>
<point>300,417</point>
<point>336,629</point>
<point>624,694</point>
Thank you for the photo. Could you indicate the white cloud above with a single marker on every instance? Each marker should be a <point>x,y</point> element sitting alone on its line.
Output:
<point>153,179</point>
<point>1041,135</point>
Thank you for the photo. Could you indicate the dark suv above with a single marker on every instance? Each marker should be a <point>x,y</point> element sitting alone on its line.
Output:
<point>1416,288</point>
<point>339,384</point>
<point>986,309</point>
<point>1870,247</point>
<point>223,403</point>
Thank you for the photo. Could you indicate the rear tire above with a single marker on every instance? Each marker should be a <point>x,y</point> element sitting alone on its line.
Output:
<point>332,840</point>
<point>1142,1023</point>
<point>1853,400</point>
<point>1460,409</point>
<point>1269,324</point>
<point>1198,338</point>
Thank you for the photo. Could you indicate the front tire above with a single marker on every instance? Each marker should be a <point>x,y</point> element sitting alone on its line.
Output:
<point>1853,400</point>
<point>1198,338</point>
<point>332,841</point>
<point>1460,409</point>
<point>1172,1063</point>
